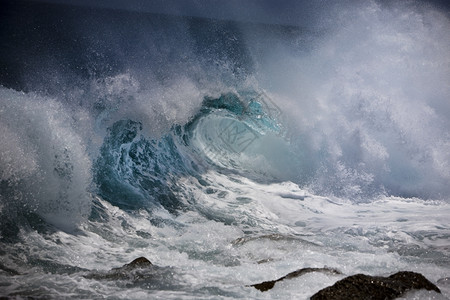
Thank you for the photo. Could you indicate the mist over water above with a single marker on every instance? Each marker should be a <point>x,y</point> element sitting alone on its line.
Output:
<point>365,90</point>
<point>370,99</point>
<point>45,167</point>
<point>210,139</point>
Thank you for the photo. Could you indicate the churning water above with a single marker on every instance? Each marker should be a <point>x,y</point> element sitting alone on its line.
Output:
<point>226,151</point>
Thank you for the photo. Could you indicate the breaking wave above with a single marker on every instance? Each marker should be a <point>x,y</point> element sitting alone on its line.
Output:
<point>126,131</point>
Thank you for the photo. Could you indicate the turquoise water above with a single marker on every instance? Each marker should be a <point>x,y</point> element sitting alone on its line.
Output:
<point>228,153</point>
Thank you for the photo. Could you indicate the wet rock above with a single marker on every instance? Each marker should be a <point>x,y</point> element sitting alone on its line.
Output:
<point>133,270</point>
<point>362,286</point>
<point>140,262</point>
<point>267,285</point>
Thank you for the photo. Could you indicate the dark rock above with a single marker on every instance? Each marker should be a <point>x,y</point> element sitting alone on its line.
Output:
<point>267,285</point>
<point>362,286</point>
<point>412,280</point>
<point>264,286</point>
<point>140,262</point>
<point>127,271</point>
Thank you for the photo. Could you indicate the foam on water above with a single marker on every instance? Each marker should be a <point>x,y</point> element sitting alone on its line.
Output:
<point>226,153</point>
<point>271,234</point>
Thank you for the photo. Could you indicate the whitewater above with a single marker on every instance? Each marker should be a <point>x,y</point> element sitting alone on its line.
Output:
<point>227,148</point>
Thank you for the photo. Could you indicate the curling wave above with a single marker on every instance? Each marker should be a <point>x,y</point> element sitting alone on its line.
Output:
<point>233,133</point>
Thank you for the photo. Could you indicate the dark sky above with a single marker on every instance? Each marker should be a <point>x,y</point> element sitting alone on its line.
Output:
<point>287,12</point>
<point>294,12</point>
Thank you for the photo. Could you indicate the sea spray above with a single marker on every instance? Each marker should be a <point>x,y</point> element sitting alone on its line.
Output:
<point>369,100</point>
<point>228,153</point>
<point>44,165</point>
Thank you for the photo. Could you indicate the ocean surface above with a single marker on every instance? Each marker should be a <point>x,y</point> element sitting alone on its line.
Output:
<point>227,151</point>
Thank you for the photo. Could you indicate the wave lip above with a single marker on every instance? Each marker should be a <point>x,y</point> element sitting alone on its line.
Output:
<point>229,133</point>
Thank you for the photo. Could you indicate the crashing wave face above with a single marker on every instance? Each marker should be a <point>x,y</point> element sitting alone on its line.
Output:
<point>222,145</point>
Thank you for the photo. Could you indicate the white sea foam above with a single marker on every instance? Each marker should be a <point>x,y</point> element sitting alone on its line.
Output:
<point>157,106</point>
<point>348,185</point>
<point>270,235</point>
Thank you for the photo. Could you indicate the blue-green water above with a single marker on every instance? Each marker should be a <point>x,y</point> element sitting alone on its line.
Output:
<point>226,152</point>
